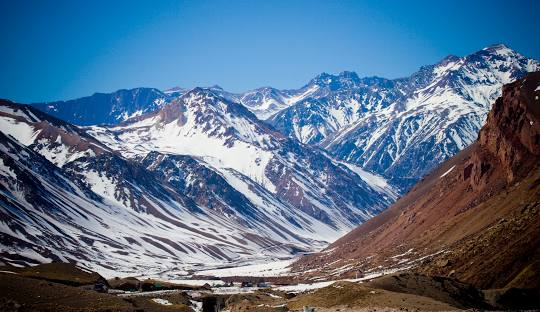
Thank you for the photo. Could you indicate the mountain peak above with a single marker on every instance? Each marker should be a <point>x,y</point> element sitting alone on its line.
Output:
<point>496,46</point>
<point>215,87</point>
<point>500,49</point>
<point>175,90</point>
<point>322,76</point>
<point>200,91</point>
<point>449,58</point>
<point>345,78</point>
<point>348,74</point>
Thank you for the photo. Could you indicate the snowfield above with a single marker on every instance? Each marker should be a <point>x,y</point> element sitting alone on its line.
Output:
<point>268,268</point>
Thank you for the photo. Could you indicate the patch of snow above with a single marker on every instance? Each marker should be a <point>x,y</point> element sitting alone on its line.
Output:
<point>304,287</point>
<point>197,306</point>
<point>272,268</point>
<point>375,181</point>
<point>161,301</point>
<point>403,254</point>
<point>447,171</point>
<point>5,170</point>
<point>21,131</point>
<point>195,282</point>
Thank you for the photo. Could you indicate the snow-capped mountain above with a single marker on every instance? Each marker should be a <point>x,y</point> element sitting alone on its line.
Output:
<point>108,108</point>
<point>338,101</point>
<point>251,155</point>
<point>116,107</point>
<point>67,195</point>
<point>404,127</point>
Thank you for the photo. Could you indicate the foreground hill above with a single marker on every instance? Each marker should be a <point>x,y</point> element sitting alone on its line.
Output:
<point>476,217</point>
<point>66,287</point>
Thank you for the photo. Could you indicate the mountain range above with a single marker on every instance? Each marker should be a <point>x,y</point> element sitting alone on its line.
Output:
<point>403,128</point>
<point>200,180</point>
<point>475,217</point>
<point>193,176</point>
<point>399,129</point>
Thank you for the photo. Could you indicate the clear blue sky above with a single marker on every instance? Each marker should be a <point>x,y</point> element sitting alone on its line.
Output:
<point>58,49</point>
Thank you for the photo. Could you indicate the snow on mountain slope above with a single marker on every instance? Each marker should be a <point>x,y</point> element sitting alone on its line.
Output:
<point>67,196</point>
<point>252,157</point>
<point>49,214</point>
<point>54,139</point>
<point>108,108</point>
<point>265,102</point>
<point>402,128</point>
<point>339,101</point>
<point>110,213</point>
<point>194,125</point>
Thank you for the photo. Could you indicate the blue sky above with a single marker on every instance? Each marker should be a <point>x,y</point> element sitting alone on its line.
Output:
<point>53,50</point>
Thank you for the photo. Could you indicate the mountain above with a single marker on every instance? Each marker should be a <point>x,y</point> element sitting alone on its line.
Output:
<point>67,197</point>
<point>475,218</point>
<point>115,199</point>
<point>338,101</point>
<point>108,108</point>
<point>252,156</point>
<point>185,162</point>
<point>116,107</point>
<point>403,128</point>
<point>267,101</point>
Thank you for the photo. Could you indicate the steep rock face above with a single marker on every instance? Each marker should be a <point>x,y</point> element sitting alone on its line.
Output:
<point>107,108</point>
<point>512,132</point>
<point>475,217</point>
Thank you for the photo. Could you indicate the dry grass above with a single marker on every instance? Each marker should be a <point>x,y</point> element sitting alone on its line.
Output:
<point>63,273</point>
<point>345,295</point>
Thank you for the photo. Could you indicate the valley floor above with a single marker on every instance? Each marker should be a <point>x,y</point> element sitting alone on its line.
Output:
<point>64,287</point>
